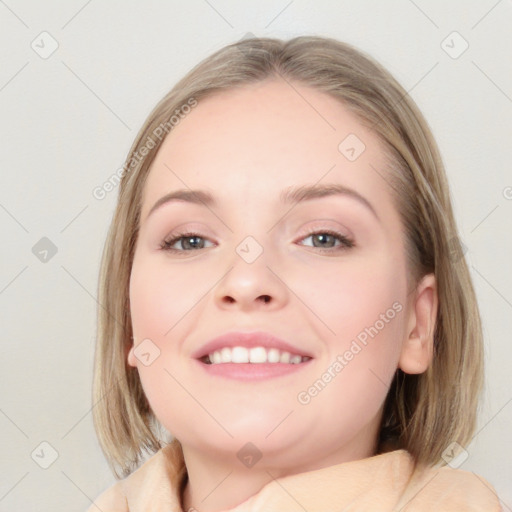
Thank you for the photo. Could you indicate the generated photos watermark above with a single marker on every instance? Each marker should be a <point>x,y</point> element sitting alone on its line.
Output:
<point>159,133</point>
<point>342,360</point>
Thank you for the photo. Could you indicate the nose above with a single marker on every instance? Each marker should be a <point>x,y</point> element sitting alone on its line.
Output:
<point>252,285</point>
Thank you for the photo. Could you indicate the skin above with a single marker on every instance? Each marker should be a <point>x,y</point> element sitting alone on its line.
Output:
<point>245,146</point>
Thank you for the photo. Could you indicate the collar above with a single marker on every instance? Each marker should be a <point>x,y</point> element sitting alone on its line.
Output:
<point>384,482</point>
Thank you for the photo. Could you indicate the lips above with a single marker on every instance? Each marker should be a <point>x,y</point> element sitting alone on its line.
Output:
<point>249,340</point>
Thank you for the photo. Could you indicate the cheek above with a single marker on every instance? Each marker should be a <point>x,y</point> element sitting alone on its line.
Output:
<point>353,379</point>
<point>351,296</point>
<point>362,308</point>
<point>160,296</point>
<point>160,299</point>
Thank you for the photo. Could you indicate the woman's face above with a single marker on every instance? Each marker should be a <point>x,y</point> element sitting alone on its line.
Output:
<point>256,262</point>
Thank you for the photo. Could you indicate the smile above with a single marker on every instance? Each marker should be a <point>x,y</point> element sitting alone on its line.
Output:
<point>256,355</point>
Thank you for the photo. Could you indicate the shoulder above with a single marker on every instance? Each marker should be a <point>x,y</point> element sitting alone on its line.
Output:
<point>111,500</point>
<point>156,479</point>
<point>446,489</point>
<point>115,498</point>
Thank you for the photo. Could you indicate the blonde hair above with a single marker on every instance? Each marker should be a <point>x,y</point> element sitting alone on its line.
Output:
<point>423,413</point>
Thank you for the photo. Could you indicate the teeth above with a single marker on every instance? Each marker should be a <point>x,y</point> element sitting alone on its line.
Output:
<point>253,355</point>
<point>257,355</point>
<point>226,355</point>
<point>285,357</point>
<point>273,355</point>
<point>238,355</point>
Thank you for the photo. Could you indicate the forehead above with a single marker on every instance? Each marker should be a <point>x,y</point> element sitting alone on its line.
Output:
<point>251,142</point>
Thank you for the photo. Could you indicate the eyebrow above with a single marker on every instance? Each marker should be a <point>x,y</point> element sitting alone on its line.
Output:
<point>290,195</point>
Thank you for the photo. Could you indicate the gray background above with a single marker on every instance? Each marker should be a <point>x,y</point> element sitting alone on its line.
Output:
<point>67,122</point>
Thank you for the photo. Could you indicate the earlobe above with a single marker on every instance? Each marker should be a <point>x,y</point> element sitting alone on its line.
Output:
<point>131,357</point>
<point>418,346</point>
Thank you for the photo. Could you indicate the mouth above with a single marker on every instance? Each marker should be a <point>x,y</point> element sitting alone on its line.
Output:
<point>253,355</point>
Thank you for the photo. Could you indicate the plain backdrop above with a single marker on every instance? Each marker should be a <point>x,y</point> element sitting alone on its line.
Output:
<point>67,120</point>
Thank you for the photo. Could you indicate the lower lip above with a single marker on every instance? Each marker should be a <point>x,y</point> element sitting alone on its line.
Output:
<point>252,371</point>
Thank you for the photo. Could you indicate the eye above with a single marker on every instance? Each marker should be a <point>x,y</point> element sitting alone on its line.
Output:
<point>323,240</point>
<point>326,240</point>
<point>188,242</point>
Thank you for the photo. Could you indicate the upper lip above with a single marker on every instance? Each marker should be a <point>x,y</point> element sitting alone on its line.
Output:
<point>248,340</point>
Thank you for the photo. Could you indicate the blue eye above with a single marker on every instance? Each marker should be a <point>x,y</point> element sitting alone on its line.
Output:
<point>326,240</point>
<point>189,241</point>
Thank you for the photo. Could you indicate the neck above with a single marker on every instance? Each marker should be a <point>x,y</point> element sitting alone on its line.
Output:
<point>218,483</point>
<point>213,486</point>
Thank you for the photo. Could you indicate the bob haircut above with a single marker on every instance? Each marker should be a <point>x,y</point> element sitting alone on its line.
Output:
<point>422,413</point>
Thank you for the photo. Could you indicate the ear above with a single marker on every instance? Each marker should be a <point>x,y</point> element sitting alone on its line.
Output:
<point>132,361</point>
<point>418,346</point>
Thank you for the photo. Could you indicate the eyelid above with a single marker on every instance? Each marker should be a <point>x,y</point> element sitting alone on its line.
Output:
<point>326,225</point>
<point>174,237</point>
<point>196,228</point>
<point>346,242</point>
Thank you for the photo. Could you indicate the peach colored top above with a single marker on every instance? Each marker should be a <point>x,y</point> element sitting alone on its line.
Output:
<point>377,484</point>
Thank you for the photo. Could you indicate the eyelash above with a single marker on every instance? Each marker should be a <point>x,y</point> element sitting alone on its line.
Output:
<point>346,243</point>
